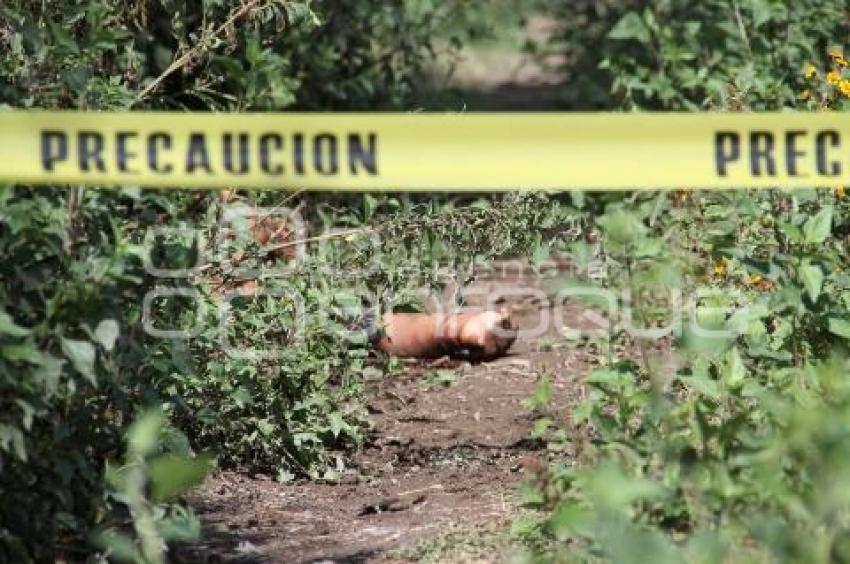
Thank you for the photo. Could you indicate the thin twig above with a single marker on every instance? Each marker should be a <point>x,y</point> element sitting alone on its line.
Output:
<point>318,238</point>
<point>197,49</point>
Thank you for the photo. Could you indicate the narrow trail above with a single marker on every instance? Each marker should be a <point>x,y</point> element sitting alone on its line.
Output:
<point>438,477</point>
<point>440,460</point>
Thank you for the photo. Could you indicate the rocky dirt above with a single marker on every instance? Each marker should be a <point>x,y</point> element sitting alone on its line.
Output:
<point>443,462</point>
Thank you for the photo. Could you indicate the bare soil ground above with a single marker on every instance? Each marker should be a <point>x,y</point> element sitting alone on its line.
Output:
<point>437,480</point>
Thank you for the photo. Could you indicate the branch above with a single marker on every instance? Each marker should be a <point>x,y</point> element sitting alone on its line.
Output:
<point>196,50</point>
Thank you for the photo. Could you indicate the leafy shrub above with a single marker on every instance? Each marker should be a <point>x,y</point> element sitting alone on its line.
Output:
<point>732,448</point>
<point>77,364</point>
<point>736,451</point>
<point>673,54</point>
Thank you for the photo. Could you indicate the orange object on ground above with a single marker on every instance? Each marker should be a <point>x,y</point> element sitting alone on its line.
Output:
<point>471,336</point>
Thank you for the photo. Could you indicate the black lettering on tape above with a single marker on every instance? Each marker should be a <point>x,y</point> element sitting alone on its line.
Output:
<point>157,140</point>
<point>298,152</point>
<point>54,148</point>
<point>325,154</point>
<point>358,156</point>
<point>269,142</point>
<point>831,168</point>
<point>792,151</point>
<point>244,147</point>
<point>90,151</point>
<point>727,149</point>
<point>762,155</point>
<point>122,153</point>
<point>198,156</point>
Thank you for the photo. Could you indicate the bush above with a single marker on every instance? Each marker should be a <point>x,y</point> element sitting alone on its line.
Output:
<point>675,54</point>
<point>731,448</point>
<point>77,365</point>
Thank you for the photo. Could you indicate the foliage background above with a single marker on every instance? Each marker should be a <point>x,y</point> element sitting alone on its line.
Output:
<point>76,367</point>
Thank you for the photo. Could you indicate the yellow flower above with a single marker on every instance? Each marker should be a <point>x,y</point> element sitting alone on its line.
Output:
<point>720,268</point>
<point>840,192</point>
<point>844,87</point>
<point>805,94</point>
<point>810,71</point>
<point>833,77</point>
<point>754,279</point>
<point>837,56</point>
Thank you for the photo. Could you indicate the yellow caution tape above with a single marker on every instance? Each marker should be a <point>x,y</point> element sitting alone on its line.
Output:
<point>391,151</point>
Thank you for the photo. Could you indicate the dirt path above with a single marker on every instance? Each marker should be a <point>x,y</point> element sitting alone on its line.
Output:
<point>440,470</point>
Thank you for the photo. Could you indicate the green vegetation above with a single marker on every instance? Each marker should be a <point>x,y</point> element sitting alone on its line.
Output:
<point>736,451</point>
<point>729,444</point>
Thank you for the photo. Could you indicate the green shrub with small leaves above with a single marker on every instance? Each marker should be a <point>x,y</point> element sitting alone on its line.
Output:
<point>76,363</point>
<point>681,55</point>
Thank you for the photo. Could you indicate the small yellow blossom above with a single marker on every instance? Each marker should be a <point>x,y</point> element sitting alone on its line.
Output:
<point>840,192</point>
<point>760,283</point>
<point>833,77</point>
<point>844,87</point>
<point>721,268</point>
<point>837,56</point>
<point>805,94</point>
<point>810,71</point>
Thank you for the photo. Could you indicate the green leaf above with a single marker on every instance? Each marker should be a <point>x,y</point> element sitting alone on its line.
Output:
<point>794,234</point>
<point>106,333</point>
<point>703,384</point>
<point>82,356</point>
<point>338,424</point>
<point>622,227</point>
<point>173,474</point>
<point>611,487</point>
<point>812,278</point>
<point>442,377</point>
<point>266,428</point>
<point>568,519</point>
<point>840,327</point>
<point>817,228</point>
<point>143,434</point>
<point>121,547</point>
<point>630,26</point>
<point>9,327</point>
<point>541,426</point>
<point>11,435</point>
<point>736,371</point>
<point>542,395</point>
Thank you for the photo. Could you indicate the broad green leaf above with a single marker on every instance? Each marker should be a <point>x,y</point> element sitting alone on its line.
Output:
<point>703,384</point>
<point>792,232</point>
<point>106,333</point>
<point>338,424</point>
<point>173,474</point>
<point>82,357</point>
<point>143,434</point>
<point>622,227</point>
<point>9,327</point>
<point>840,327</point>
<point>121,547</point>
<point>736,371</point>
<point>266,428</point>
<point>540,427</point>
<point>12,439</point>
<point>568,519</point>
<point>812,278</point>
<point>630,26</point>
<point>817,228</point>
<point>542,395</point>
<point>611,487</point>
